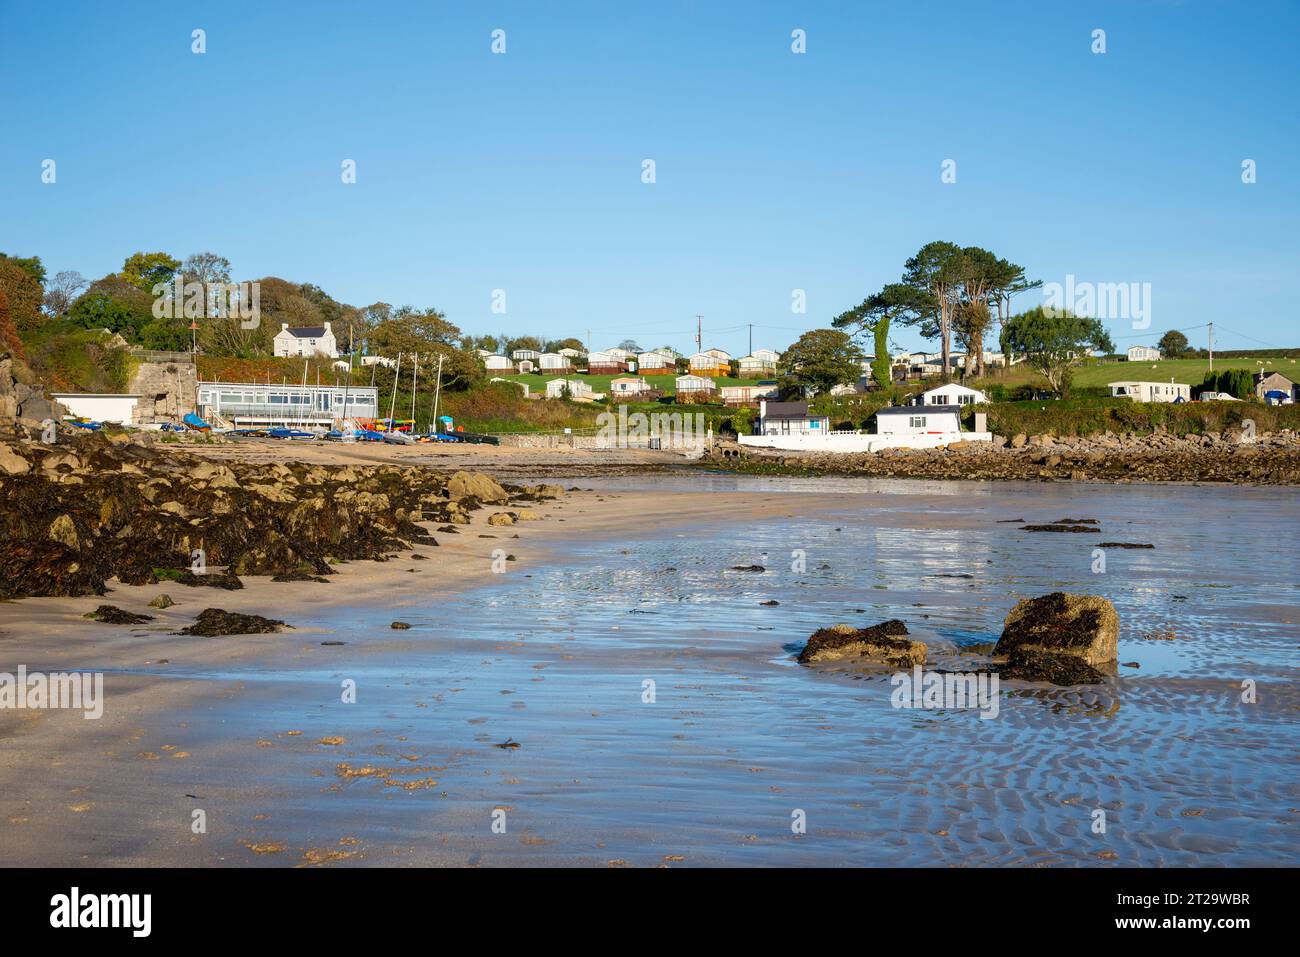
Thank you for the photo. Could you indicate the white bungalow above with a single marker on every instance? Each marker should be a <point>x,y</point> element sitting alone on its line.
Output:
<point>655,362</point>
<point>525,355</point>
<point>686,384</point>
<point>621,354</point>
<point>496,363</point>
<point>629,385</point>
<point>1143,354</point>
<point>305,341</point>
<point>789,418</point>
<point>951,395</point>
<point>1151,391</point>
<point>553,362</point>
<point>570,353</point>
<point>912,420</point>
<point>720,354</point>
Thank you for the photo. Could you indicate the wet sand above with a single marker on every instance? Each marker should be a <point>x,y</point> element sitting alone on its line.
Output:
<point>630,583</point>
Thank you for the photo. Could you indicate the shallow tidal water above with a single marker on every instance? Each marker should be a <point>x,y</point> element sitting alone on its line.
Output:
<point>738,741</point>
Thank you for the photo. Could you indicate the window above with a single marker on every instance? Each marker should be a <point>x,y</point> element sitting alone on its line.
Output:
<point>916,422</point>
<point>939,400</point>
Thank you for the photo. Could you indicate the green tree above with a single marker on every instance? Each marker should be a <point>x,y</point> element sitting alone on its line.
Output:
<point>145,270</point>
<point>29,264</point>
<point>1054,342</point>
<point>427,334</point>
<point>820,360</point>
<point>1172,344</point>
<point>897,301</point>
<point>936,274</point>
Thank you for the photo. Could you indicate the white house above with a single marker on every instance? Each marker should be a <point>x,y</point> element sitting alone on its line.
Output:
<point>1151,391</point>
<point>622,355</point>
<point>496,363</point>
<point>789,418</point>
<point>525,355</point>
<point>571,353</point>
<point>910,420</point>
<point>721,354</point>
<point>98,406</point>
<point>951,395</point>
<point>629,385</point>
<point>1143,354</point>
<point>306,341</point>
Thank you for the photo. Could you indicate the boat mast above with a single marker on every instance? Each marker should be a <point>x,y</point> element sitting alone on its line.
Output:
<point>392,406</point>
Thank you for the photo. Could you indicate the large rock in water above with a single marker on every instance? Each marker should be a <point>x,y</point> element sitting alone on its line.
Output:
<point>881,643</point>
<point>1062,638</point>
<point>476,485</point>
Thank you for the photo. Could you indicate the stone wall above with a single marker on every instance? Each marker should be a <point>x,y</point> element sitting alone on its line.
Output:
<point>167,391</point>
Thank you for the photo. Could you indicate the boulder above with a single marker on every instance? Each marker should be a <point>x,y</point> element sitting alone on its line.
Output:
<point>11,463</point>
<point>1063,638</point>
<point>882,643</point>
<point>476,485</point>
<point>501,518</point>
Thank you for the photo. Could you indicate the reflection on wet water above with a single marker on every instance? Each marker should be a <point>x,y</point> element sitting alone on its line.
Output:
<point>733,737</point>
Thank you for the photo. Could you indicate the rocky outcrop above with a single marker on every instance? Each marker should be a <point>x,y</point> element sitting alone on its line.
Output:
<point>882,644</point>
<point>76,514</point>
<point>1062,638</point>
<point>1272,458</point>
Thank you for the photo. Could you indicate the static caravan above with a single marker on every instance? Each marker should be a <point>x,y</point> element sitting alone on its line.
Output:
<point>552,363</point>
<point>656,363</point>
<point>692,387</point>
<point>708,364</point>
<point>497,363</point>
<point>1151,391</point>
<point>605,363</point>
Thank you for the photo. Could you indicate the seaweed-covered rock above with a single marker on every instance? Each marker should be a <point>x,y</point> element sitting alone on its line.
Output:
<point>162,601</point>
<point>214,622</point>
<point>75,516</point>
<point>883,643</point>
<point>112,615</point>
<point>1062,638</point>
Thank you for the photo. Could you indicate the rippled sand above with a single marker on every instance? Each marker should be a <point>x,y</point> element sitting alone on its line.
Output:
<point>739,741</point>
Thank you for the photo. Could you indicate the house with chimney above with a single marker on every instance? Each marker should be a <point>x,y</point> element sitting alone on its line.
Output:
<point>306,341</point>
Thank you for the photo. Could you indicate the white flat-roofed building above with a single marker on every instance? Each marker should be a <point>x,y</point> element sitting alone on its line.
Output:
<point>259,405</point>
<point>98,406</point>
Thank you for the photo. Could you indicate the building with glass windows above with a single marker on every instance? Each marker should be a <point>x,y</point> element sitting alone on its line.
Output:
<point>245,405</point>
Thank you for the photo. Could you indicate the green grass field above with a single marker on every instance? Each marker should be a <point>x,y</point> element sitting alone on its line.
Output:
<point>1189,371</point>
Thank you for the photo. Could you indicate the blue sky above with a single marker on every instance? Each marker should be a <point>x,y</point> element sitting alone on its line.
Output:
<point>775,171</point>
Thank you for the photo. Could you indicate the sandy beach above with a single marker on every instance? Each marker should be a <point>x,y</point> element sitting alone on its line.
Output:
<point>633,579</point>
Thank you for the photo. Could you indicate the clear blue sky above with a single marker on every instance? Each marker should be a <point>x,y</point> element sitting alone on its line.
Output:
<point>775,171</point>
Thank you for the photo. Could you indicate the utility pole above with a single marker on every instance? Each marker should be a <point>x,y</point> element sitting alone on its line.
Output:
<point>699,332</point>
<point>751,338</point>
<point>1211,343</point>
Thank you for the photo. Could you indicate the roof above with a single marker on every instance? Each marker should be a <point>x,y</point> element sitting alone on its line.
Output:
<point>305,332</point>
<point>787,410</point>
<point>918,409</point>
